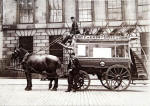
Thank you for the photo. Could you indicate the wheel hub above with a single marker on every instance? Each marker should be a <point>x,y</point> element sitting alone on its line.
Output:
<point>118,77</point>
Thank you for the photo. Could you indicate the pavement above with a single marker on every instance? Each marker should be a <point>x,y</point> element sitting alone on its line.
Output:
<point>12,93</point>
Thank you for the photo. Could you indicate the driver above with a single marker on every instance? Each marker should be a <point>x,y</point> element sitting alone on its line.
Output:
<point>74,30</point>
<point>73,68</point>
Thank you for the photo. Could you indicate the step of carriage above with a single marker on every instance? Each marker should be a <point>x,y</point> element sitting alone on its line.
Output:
<point>140,70</point>
<point>138,63</point>
<point>139,66</point>
<point>142,75</point>
<point>136,57</point>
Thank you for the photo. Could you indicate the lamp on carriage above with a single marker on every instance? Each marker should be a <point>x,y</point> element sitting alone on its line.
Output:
<point>102,63</point>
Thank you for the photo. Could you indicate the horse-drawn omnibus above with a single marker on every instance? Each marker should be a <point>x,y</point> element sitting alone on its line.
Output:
<point>107,57</point>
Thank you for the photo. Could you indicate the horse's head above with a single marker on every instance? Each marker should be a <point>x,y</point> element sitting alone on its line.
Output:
<point>15,54</point>
<point>18,54</point>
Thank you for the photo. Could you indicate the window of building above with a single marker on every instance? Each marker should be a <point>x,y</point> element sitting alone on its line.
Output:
<point>143,9</point>
<point>85,10</point>
<point>26,11</point>
<point>55,10</point>
<point>26,42</point>
<point>114,9</point>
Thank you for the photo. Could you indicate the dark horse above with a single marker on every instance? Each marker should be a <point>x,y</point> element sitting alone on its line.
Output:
<point>32,63</point>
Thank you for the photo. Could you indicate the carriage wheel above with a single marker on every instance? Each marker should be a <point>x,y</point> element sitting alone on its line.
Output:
<point>83,81</point>
<point>103,81</point>
<point>118,77</point>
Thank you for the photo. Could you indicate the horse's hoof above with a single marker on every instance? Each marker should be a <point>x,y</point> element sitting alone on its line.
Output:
<point>28,89</point>
<point>50,87</point>
<point>54,89</point>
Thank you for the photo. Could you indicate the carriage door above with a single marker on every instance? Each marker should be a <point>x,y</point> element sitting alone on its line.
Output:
<point>56,49</point>
<point>27,43</point>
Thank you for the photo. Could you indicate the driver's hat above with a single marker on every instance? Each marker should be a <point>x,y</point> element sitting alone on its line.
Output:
<point>72,17</point>
<point>73,53</point>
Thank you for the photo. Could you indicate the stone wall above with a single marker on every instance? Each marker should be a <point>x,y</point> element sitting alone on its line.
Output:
<point>11,40</point>
<point>41,42</point>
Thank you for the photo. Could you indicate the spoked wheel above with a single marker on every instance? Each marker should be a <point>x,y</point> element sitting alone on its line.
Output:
<point>83,80</point>
<point>118,77</point>
<point>103,81</point>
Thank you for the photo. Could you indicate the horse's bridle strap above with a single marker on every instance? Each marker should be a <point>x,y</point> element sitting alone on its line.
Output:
<point>25,57</point>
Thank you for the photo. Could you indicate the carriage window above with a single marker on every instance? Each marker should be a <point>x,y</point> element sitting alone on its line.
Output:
<point>126,50</point>
<point>82,50</point>
<point>102,52</point>
<point>26,11</point>
<point>120,51</point>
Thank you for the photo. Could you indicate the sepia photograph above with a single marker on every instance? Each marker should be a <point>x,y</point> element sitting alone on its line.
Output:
<point>74,52</point>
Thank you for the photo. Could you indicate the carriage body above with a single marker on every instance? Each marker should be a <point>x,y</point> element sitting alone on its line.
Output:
<point>96,65</point>
<point>101,55</point>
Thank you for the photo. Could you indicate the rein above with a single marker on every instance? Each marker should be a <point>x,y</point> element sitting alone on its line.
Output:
<point>52,43</point>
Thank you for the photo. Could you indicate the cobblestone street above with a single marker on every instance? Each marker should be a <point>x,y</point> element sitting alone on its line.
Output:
<point>12,93</point>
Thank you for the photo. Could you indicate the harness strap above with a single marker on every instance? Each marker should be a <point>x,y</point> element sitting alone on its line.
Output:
<point>25,57</point>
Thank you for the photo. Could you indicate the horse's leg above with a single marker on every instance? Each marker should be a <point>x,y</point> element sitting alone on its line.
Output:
<point>29,81</point>
<point>50,83</point>
<point>55,84</point>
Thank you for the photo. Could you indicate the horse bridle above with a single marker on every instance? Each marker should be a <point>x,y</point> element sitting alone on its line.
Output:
<point>24,57</point>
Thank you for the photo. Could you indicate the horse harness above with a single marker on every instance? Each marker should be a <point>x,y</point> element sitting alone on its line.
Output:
<point>24,62</point>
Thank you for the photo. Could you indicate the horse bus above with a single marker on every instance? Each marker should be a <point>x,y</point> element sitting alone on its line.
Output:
<point>108,57</point>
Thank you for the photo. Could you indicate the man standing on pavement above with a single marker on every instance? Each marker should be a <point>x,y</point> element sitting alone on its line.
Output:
<point>73,68</point>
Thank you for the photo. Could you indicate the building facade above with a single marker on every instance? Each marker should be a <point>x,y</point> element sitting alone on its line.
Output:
<point>36,23</point>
